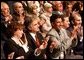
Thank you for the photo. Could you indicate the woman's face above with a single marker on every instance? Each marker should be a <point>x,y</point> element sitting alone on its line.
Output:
<point>50,9</point>
<point>19,33</point>
<point>36,10</point>
<point>19,8</point>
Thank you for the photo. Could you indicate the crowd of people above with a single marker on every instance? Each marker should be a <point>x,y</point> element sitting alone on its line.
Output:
<point>41,30</point>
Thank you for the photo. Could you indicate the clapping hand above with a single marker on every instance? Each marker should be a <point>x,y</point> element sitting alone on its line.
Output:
<point>45,42</point>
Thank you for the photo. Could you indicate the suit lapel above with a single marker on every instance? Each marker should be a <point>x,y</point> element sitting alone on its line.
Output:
<point>31,40</point>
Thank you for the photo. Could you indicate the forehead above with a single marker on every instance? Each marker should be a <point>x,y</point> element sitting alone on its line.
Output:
<point>4,5</point>
<point>34,22</point>
<point>58,20</point>
<point>57,1</point>
<point>17,4</point>
<point>69,6</point>
<point>66,18</point>
<point>77,17</point>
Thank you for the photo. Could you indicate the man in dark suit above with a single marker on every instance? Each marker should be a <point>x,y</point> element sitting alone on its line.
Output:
<point>35,39</point>
<point>6,18</point>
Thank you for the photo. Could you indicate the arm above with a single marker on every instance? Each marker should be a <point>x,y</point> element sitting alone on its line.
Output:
<point>11,55</point>
<point>10,47</point>
<point>42,47</point>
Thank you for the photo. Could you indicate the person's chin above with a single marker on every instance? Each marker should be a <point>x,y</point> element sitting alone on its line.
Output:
<point>59,28</point>
<point>38,30</point>
<point>67,26</point>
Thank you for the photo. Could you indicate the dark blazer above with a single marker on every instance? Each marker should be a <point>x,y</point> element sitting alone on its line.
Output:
<point>32,44</point>
<point>5,34</point>
<point>10,46</point>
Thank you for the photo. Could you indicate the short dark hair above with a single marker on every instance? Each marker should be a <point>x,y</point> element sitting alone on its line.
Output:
<point>63,16</point>
<point>54,17</point>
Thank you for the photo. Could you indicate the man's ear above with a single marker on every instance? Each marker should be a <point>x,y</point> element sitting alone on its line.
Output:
<point>29,27</point>
<point>52,23</point>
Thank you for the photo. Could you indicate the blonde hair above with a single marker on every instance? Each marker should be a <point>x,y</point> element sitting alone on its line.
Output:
<point>15,4</point>
<point>2,5</point>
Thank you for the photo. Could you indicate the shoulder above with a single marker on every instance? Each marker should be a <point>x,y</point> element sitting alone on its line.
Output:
<point>63,30</point>
<point>52,32</point>
<point>43,15</point>
<point>9,43</point>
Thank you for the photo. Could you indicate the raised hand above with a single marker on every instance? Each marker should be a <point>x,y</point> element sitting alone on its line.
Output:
<point>45,42</point>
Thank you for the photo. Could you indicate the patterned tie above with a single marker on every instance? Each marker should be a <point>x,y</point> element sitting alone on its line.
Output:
<point>37,42</point>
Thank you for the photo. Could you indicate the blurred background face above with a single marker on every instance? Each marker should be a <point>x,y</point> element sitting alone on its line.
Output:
<point>59,5</point>
<point>5,9</point>
<point>19,8</point>
<point>69,8</point>
<point>58,23</point>
<point>77,20</point>
<point>35,10</point>
<point>34,26</point>
<point>50,9</point>
<point>66,22</point>
<point>19,33</point>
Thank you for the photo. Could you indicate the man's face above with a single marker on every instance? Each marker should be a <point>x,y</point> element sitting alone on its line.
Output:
<point>77,20</point>
<point>69,8</point>
<point>34,27</point>
<point>59,6</point>
<point>66,22</point>
<point>5,10</point>
<point>58,23</point>
<point>19,8</point>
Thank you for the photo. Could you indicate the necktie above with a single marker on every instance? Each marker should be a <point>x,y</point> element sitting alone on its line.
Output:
<point>37,41</point>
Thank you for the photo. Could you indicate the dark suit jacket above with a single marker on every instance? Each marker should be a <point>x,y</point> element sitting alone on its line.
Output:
<point>5,34</point>
<point>10,46</point>
<point>32,44</point>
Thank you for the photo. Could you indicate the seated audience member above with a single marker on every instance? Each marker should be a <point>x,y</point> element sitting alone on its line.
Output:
<point>33,8</point>
<point>46,16</point>
<point>17,46</point>
<point>6,19</point>
<point>58,8</point>
<point>35,38</point>
<point>59,39</point>
<point>19,12</point>
<point>77,21</point>
<point>66,25</point>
